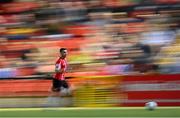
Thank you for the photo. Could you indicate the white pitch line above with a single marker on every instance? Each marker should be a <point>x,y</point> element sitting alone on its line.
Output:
<point>95,117</point>
<point>80,108</point>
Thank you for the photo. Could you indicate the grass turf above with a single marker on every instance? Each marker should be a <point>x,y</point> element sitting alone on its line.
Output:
<point>90,112</point>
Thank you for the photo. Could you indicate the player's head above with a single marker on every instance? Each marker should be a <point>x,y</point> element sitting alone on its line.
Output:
<point>63,52</point>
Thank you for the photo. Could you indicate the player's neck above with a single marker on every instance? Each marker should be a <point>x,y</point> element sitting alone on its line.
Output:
<point>62,57</point>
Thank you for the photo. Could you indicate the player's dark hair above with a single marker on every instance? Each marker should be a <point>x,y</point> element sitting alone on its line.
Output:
<point>62,49</point>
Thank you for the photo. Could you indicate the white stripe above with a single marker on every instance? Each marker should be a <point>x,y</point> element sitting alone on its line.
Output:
<point>54,36</point>
<point>80,108</point>
<point>94,117</point>
<point>144,86</point>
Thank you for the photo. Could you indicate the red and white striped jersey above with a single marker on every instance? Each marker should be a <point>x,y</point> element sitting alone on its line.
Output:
<point>60,64</point>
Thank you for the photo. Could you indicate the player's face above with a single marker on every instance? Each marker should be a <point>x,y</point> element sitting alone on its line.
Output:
<point>64,53</point>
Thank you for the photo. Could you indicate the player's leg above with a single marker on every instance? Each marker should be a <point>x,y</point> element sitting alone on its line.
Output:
<point>56,84</point>
<point>65,84</point>
<point>54,94</point>
<point>65,90</point>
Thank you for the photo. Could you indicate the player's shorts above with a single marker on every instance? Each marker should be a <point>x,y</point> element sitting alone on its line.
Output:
<point>57,84</point>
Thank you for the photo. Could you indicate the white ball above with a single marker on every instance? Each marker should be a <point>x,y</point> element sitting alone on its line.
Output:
<point>151,105</point>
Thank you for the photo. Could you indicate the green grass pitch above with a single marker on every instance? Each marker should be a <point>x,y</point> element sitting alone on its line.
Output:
<point>90,112</point>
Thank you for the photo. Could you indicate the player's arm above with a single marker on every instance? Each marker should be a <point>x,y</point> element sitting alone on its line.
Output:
<point>58,68</point>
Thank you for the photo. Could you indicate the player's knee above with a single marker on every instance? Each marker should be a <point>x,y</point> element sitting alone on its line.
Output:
<point>55,89</point>
<point>66,86</point>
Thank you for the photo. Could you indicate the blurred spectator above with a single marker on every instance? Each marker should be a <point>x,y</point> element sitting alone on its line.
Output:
<point>132,36</point>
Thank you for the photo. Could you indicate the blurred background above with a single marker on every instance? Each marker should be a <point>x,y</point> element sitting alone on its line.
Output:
<point>134,45</point>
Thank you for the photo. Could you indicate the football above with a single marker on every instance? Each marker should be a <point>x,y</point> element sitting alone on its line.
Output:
<point>151,105</point>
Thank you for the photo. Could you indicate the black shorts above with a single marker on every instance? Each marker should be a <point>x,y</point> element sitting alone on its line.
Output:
<point>57,84</point>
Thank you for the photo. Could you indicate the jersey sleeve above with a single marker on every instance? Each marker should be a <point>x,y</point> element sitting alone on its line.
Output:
<point>58,66</point>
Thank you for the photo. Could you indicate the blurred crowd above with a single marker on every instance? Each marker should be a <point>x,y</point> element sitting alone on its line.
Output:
<point>104,37</point>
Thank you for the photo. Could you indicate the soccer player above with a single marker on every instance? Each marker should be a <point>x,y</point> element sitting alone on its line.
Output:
<point>59,81</point>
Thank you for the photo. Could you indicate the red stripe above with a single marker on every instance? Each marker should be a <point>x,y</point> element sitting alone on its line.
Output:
<point>166,77</point>
<point>153,95</point>
<point>159,104</point>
